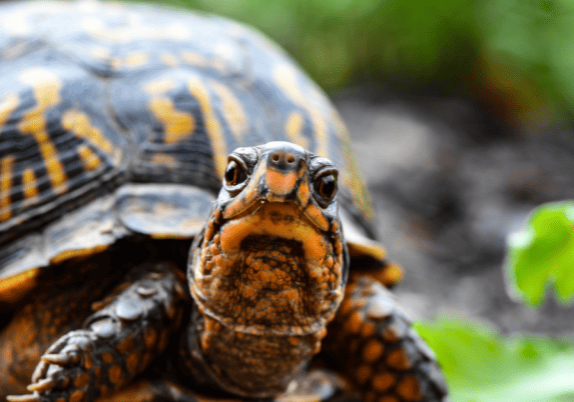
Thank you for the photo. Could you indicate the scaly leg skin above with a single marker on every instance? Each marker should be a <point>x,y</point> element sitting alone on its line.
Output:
<point>372,342</point>
<point>129,329</point>
<point>60,304</point>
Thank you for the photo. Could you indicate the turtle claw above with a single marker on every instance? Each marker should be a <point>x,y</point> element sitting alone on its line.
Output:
<point>23,398</point>
<point>42,385</point>
<point>61,363</point>
<point>61,359</point>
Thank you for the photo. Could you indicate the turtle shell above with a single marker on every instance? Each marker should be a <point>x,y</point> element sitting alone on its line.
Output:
<point>117,120</point>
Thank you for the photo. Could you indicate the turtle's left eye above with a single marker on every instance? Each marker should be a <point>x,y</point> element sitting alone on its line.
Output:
<point>235,174</point>
<point>326,186</point>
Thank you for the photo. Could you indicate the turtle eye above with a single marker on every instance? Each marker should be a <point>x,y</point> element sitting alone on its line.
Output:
<point>326,186</point>
<point>235,174</point>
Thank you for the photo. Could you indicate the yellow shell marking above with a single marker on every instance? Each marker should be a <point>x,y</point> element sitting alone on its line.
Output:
<point>29,182</point>
<point>12,289</point>
<point>213,128</point>
<point>194,58</point>
<point>178,125</point>
<point>5,187</point>
<point>232,110</point>
<point>46,89</point>
<point>136,59</point>
<point>168,59</point>
<point>7,107</point>
<point>286,77</point>
<point>294,130</point>
<point>89,158</point>
<point>164,159</point>
<point>80,125</point>
<point>159,87</point>
<point>69,254</point>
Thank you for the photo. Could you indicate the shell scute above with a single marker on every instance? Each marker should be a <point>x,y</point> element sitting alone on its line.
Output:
<point>99,95</point>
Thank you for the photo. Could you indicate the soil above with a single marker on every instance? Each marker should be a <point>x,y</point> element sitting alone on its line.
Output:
<point>449,184</point>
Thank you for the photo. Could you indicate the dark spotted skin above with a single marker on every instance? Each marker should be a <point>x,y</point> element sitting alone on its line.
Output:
<point>116,122</point>
<point>96,347</point>
<point>371,340</point>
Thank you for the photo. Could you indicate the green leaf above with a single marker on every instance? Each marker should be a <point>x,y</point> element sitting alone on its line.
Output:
<point>481,366</point>
<point>542,253</point>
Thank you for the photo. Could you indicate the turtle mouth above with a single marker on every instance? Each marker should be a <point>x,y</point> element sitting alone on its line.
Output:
<point>269,270</point>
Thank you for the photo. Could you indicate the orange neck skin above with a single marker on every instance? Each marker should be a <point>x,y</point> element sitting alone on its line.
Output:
<point>266,283</point>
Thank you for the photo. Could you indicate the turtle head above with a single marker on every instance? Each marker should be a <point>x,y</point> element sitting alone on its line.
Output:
<point>272,259</point>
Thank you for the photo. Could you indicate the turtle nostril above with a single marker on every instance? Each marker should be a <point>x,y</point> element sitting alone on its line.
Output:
<point>275,158</point>
<point>290,159</point>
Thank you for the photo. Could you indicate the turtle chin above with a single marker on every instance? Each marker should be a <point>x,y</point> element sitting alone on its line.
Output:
<point>270,272</point>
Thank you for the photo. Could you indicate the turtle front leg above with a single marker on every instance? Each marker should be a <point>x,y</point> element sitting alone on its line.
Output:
<point>128,330</point>
<point>372,342</point>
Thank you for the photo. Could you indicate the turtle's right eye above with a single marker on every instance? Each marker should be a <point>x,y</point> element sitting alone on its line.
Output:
<point>235,174</point>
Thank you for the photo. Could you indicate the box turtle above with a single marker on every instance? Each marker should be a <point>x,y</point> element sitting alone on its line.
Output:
<point>128,131</point>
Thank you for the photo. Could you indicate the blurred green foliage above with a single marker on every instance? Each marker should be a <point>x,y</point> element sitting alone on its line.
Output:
<point>542,253</point>
<point>518,56</point>
<point>481,366</point>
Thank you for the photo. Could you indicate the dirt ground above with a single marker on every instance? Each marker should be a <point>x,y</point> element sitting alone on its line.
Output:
<point>449,184</point>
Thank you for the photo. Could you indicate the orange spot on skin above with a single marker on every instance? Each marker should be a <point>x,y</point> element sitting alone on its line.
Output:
<point>107,357</point>
<point>399,360</point>
<point>388,399</point>
<point>76,396</point>
<point>132,363</point>
<point>408,389</point>
<point>218,143</point>
<point>383,381</point>
<point>81,380</point>
<point>372,351</point>
<point>115,374</point>
<point>6,187</point>
<point>363,374</point>
<point>178,125</point>
<point>150,337</point>
<point>232,111</point>
<point>89,158</point>
<point>354,322</point>
<point>88,363</point>
<point>46,88</point>
<point>280,183</point>
<point>126,345</point>
<point>367,330</point>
